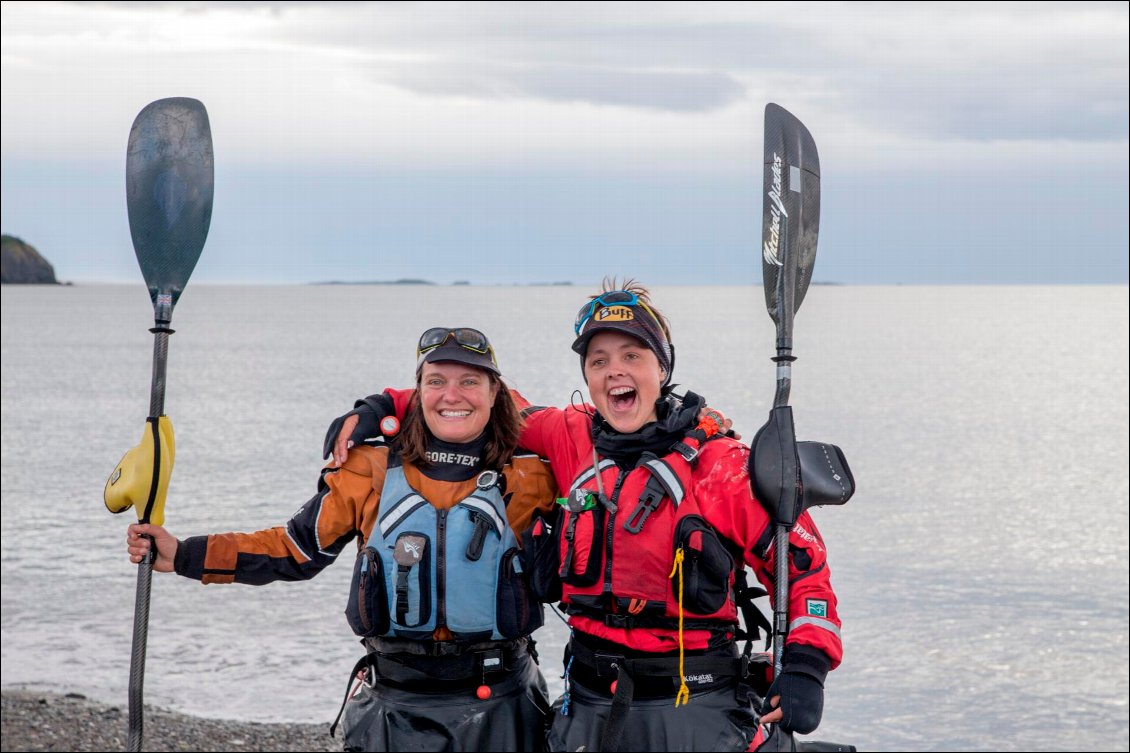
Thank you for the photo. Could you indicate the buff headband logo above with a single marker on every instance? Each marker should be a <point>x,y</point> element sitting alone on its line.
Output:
<point>772,244</point>
<point>816,607</point>
<point>615,314</point>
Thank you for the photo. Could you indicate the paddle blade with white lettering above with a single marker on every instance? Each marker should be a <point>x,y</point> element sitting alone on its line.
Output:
<point>791,216</point>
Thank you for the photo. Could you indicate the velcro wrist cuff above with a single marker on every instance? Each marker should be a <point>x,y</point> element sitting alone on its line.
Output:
<point>806,660</point>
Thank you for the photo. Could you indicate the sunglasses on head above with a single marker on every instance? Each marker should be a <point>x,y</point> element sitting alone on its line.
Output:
<point>465,337</point>
<point>605,300</point>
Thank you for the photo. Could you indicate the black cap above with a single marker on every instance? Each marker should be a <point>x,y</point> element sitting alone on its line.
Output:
<point>453,351</point>
<point>636,321</point>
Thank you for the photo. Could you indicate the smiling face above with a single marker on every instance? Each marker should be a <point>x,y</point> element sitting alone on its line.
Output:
<point>456,400</point>
<point>624,378</point>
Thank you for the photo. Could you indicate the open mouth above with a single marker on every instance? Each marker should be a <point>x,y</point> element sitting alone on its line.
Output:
<point>621,398</point>
<point>454,413</point>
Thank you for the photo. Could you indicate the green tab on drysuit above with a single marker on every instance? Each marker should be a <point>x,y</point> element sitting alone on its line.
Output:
<point>141,479</point>
<point>579,501</point>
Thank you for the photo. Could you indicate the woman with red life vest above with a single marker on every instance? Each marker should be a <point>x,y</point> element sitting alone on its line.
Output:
<point>438,593</point>
<point>646,554</point>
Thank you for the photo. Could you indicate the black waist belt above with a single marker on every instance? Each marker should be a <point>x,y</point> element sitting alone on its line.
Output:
<point>402,646</point>
<point>662,668</point>
<point>648,675</point>
<point>442,662</point>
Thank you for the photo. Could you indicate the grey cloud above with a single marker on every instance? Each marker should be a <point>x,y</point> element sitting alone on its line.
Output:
<point>1044,72</point>
<point>967,71</point>
<point>676,91</point>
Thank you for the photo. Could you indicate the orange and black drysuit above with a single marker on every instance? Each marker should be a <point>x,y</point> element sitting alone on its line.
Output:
<point>422,690</point>
<point>343,510</point>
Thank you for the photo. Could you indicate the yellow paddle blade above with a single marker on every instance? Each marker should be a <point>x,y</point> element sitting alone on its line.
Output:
<point>132,482</point>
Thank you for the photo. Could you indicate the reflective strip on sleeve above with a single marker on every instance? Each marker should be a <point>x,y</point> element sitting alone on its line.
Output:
<point>816,622</point>
<point>318,525</point>
<point>296,546</point>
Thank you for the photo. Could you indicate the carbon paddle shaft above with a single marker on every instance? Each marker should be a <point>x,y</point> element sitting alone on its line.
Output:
<point>169,187</point>
<point>162,315</point>
<point>137,655</point>
<point>790,227</point>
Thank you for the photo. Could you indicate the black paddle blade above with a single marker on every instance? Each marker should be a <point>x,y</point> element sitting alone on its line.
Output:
<point>791,216</point>
<point>169,185</point>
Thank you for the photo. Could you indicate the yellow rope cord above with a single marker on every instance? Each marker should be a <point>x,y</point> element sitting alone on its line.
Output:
<point>684,694</point>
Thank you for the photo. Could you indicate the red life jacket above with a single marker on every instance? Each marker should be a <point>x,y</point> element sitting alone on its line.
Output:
<point>617,558</point>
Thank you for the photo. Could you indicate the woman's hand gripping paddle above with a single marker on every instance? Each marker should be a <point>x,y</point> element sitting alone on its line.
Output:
<point>169,182</point>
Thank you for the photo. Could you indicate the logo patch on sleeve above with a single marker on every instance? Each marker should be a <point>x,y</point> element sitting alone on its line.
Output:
<point>817,607</point>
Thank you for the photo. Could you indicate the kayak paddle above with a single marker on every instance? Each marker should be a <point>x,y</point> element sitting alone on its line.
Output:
<point>788,476</point>
<point>169,182</point>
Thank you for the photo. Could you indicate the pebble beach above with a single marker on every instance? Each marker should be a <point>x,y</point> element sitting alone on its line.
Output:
<point>37,721</point>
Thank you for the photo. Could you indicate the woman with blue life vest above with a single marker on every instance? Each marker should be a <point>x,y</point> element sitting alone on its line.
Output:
<point>647,550</point>
<point>438,593</point>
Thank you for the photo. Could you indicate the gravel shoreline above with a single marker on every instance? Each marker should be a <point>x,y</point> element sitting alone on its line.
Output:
<point>38,721</point>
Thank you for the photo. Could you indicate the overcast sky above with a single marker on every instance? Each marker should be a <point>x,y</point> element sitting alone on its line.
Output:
<point>524,142</point>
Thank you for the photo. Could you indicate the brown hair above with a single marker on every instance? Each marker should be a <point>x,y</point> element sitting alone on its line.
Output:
<point>502,429</point>
<point>609,284</point>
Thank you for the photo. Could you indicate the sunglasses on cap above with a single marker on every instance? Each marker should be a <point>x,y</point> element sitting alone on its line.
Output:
<point>465,337</point>
<point>606,300</point>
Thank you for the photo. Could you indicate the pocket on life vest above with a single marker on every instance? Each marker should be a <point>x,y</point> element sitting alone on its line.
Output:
<point>367,608</point>
<point>582,547</point>
<point>518,614</point>
<point>541,557</point>
<point>411,603</point>
<point>707,566</point>
<point>473,547</point>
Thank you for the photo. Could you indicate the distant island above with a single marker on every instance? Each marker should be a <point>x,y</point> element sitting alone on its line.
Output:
<point>20,263</point>
<point>405,281</point>
<point>411,281</point>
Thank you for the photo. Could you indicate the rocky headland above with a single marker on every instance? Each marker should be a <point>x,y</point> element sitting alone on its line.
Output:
<point>21,263</point>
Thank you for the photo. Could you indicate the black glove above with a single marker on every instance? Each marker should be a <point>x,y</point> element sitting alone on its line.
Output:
<point>369,411</point>
<point>801,687</point>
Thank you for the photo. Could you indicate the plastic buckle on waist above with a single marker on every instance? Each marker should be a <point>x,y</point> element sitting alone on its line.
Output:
<point>491,661</point>
<point>446,648</point>
<point>608,665</point>
<point>623,621</point>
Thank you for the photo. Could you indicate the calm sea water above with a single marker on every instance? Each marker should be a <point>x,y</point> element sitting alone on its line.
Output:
<point>982,567</point>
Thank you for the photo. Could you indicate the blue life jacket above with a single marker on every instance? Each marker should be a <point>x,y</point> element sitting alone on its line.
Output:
<point>424,568</point>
